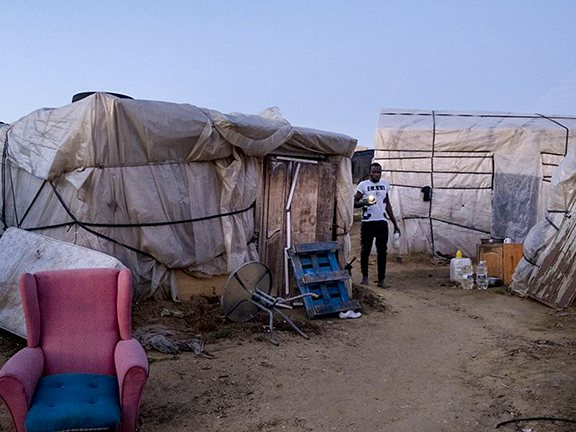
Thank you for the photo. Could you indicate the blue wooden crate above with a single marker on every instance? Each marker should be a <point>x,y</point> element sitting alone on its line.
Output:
<point>317,271</point>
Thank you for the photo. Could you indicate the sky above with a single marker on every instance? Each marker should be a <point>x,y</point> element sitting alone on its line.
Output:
<point>328,65</point>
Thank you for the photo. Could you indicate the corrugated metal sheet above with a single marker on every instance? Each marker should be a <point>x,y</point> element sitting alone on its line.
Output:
<point>555,282</point>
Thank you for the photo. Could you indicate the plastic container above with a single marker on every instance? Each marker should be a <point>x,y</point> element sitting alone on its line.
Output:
<point>456,265</point>
<point>482,275</point>
<point>467,281</point>
<point>396,240</point>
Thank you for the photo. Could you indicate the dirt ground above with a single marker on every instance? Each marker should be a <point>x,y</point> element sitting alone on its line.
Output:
<point>433,358</point>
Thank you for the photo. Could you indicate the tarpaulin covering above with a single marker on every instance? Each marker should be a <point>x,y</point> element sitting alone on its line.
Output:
<point>158,185</point>
<point>561,200</point>
<point>489,174</point>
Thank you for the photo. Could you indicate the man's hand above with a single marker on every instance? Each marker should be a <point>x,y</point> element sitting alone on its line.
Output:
<point>367,203</point>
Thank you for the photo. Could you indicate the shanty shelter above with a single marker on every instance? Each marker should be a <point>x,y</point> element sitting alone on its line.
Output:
<point>460,176</point>
<point>164,186</point>
<point>546,271</point>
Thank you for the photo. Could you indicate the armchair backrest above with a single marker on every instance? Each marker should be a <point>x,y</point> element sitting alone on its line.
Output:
<point>77,317</point>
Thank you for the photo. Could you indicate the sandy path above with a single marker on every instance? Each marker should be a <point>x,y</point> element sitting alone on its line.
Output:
<point>438,359</point>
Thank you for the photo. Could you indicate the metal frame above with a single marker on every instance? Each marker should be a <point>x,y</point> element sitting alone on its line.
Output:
<point>264,301</point>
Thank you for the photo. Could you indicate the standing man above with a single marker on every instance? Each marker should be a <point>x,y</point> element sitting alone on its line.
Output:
<point>372,195</point>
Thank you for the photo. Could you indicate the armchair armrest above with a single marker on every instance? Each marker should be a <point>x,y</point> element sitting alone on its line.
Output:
<point>18,380</point>
<point>132,372</point>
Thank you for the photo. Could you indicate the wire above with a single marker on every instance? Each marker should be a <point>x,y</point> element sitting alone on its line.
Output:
<point>503,115</point>
<point>552,223</point>
<point>535,419</point>
<point>529,260</point>
<point>562,126</point>
<point>86,225</point>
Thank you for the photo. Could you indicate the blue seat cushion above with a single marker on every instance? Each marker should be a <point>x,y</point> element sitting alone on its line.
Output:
<point>74,402</point>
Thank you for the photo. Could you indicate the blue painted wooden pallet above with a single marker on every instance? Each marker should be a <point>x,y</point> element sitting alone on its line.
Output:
<point>317,271</point>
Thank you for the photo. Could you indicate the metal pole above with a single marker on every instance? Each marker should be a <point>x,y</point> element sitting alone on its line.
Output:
<point>289,230</point>
<point>292,187</point>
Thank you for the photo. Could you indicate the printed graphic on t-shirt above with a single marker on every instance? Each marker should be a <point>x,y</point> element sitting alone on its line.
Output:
<point>377,192</point>
<point>376,188</point>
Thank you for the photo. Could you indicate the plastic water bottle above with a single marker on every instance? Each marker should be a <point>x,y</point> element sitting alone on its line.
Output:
<point>482,275</point>
<point>396,240</point>
<point>467,280</point>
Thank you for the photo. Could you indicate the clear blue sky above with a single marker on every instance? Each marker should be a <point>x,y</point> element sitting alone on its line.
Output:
<point>326,64</point>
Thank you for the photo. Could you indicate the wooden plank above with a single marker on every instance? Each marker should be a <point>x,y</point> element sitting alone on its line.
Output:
<point>315,264</point>
<point>259,210</point>
<point>334,264</point>
<point>326,276</point>
<point>555,281</point>
<point>492,254</point>
<point>296,265</point>
<point>326,201</point>
<point>325,295</point>
<point>320,278</point>
<point>329,308</point>
<point>512,254</point>
<point>276,188</point>
<point>304,204</point>
<point>316,247</point>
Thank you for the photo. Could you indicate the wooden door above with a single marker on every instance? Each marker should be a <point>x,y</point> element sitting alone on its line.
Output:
<point>312,210</point>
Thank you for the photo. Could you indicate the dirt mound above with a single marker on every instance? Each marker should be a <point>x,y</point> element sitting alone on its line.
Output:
<point>370,301</point>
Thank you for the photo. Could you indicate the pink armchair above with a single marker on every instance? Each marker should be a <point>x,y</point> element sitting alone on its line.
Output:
<point>81,369</point>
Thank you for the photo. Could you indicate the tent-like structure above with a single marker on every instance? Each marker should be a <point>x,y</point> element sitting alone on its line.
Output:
<point>542,238</point>
<point>461,176</point>
<point>164,186</point>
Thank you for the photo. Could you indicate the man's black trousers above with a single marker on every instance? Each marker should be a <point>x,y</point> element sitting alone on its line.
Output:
<point>374,230</point>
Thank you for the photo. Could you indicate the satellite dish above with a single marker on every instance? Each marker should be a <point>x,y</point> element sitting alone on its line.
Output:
<point>79,96</point>
<point>247,292</point>
<point>237,297</point>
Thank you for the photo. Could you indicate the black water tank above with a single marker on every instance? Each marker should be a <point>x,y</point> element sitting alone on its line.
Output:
<point>80,96</point>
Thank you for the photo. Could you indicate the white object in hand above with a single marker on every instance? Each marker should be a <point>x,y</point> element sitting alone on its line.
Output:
<point>396,240</point>
<point>371,199</point>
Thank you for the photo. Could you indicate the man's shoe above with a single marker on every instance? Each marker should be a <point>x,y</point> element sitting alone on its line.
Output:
<point>349,315</point>
<point>382,284</point>
<point>364,281</point>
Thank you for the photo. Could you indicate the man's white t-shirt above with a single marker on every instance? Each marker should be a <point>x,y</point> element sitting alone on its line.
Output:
<point>375,212</point>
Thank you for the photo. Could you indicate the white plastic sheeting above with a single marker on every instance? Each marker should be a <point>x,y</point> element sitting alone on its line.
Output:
<point>127,177</point>
<point>25,252</point>
<point>561,199</point>
<point>489,174</point>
